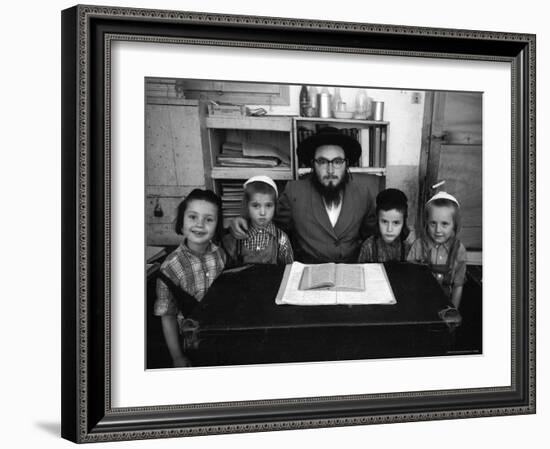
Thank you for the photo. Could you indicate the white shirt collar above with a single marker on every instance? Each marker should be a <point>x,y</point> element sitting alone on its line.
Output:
<point>333,212</point>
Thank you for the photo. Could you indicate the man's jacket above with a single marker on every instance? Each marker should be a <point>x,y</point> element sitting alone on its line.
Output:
<point>302,214</point>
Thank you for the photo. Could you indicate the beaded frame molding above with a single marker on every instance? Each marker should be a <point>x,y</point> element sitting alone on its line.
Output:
<point>87,34</point>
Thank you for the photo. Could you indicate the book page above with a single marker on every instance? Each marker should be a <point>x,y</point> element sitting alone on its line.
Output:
<point>349,277</point>
<point>290,293</point>
<point>318,276</point>
<point>377,288</point>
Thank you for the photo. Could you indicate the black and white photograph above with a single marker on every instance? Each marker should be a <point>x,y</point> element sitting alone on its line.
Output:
<point>275,224</point>
<point>282,223</point>
<point>306,223</point>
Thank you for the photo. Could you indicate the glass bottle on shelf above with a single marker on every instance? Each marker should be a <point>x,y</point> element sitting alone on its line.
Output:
<point>304,101</point>
<point>336,101</point>
<point>361,105</point>
<point>313,101</point>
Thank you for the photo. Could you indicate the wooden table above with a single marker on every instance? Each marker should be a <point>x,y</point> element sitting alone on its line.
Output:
<point>239,322</point>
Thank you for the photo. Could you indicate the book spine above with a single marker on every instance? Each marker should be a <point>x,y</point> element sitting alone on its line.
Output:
<point>376,149</point>
<point>383,146</point>
<point>364,140</point>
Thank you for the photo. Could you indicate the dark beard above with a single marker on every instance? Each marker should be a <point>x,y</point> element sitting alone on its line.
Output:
<point>331,193</point>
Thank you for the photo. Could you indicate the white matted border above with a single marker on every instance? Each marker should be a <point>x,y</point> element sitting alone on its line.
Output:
<point>132,386</point>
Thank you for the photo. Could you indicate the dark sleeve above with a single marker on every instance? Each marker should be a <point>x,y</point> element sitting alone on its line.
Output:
<point>368,226</point>
<point>230,247</point>
<point>283,217</point>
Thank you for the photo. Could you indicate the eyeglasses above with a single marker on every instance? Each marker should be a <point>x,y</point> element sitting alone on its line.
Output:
<point>336,162</point>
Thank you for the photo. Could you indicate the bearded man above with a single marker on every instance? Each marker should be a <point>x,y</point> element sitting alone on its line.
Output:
<point>328,213</point>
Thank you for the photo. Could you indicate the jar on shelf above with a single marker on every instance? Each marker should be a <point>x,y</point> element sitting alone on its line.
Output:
<point>361,105</point>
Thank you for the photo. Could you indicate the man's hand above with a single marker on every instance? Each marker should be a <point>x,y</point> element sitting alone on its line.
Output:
<point>238,228</point>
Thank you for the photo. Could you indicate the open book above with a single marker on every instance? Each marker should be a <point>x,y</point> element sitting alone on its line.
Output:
<point>332,276</point>
<point>369,285</point>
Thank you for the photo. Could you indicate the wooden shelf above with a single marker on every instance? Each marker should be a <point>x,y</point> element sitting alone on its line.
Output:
<point>339,120</point>
<point>282,173</point>
<point>265,123</point>
<point>171,101</point>
<point>378,171</point>
<point>278,129</point>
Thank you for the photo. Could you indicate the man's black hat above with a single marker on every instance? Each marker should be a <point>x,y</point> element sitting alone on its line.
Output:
<point>329,136</point>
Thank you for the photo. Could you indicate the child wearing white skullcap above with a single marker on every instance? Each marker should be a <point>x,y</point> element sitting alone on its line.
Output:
<point>438,246</point>
<point>265,243</point>
<point>265,179</point>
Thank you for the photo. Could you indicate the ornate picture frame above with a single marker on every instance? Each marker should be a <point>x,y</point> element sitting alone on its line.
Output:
<point>88,33</point>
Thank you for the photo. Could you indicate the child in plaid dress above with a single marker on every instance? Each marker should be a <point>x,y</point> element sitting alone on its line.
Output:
<point>188,272</point>
<point>265,244</point>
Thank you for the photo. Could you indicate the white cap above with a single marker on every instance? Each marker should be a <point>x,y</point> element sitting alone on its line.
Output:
<point>444,196</point>
<point>263,178</point>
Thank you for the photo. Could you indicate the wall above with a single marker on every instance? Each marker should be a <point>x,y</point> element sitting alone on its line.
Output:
<point>30,387</point>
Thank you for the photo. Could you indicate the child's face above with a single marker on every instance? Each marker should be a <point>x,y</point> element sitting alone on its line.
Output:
<point>441,223</point>
<point>390,224</point>
<point>261,208</point>
<point>199,224</point>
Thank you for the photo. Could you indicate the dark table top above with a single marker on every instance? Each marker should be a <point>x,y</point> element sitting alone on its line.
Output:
<point>246,301</point>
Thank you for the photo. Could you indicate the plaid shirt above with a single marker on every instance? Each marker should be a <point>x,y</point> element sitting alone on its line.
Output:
<point>438,255</point>
<point>259,238</point>
<point>194,273</point>
<point>375,250</point>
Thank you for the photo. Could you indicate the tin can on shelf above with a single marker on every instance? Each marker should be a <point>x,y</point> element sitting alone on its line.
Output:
<point>378,110</point>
